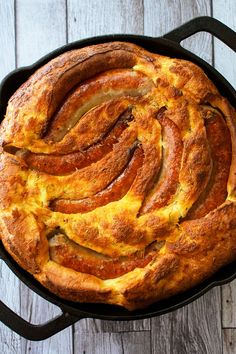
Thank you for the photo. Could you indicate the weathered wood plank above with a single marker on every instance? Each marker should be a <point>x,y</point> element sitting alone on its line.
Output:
<point>93,18</point>
<point>113,343</point>
<point>225,58</point>
<point>194,329</point>
<point>9,293</point>
<point>229,341</point>
<point>98,18</point>
<point>7,37</point>
<point>167,15</point>
<point>97,326</point>
<point>229,305</point>
<point>9,288</point>
<point>41,27</point>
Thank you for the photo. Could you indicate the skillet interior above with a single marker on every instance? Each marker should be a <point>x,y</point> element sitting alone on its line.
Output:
<point>164,47</point>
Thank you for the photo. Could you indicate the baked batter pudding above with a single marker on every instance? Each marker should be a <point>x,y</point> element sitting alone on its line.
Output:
<point>118,176</point>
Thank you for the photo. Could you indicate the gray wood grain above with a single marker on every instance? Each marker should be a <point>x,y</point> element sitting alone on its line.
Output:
<point>113,343</point>
<point>40,27</point>
<point>229,341</point>
<point>97,326</point>
<point>7,37</point>
<point>194,329</point>
<point>225,63</point>
<point>225,58</point>
<point>161,17</point>
<point>10,295</point>
<point>93,18</point>
<point>229,305</point>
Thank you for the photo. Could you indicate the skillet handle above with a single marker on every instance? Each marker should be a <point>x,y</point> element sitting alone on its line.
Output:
<point>31,331</point>
<point>35,332</point>
<point>207,24</point>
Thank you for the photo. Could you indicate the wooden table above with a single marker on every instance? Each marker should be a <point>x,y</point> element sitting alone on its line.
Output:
<point>28,30</point>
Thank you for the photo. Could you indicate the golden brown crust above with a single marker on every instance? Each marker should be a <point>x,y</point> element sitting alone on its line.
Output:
<point>118,176</point>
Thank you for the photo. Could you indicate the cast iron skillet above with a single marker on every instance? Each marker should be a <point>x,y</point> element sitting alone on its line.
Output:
<point>168,45</point>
